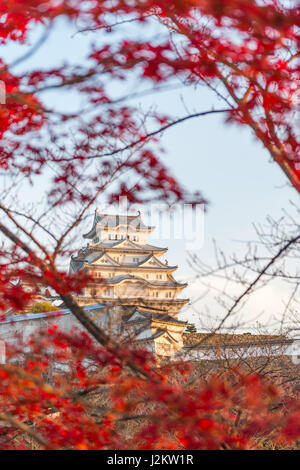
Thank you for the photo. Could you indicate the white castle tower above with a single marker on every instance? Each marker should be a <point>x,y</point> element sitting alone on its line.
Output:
<point>127,272</point>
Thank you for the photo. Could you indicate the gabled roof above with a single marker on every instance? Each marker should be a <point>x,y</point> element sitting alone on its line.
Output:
<point>124,277</point>
<point>113,221</point>
<point>158,332</point>
<point>76,265</point>
<point>90,257</point>
<point>94,257</point>
<point>124,244</point>
<point>113,246</point>
<point>152,261</point>
<point>142,314</point>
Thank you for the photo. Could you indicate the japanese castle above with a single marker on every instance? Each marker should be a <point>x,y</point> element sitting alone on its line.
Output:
<point>127,272</point>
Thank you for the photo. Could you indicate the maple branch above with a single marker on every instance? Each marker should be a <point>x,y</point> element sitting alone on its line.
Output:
<point>112,25</point>
<point>247,291</point>
<point>24,428</point>
<point>35,221</point>
<point>159,131</point>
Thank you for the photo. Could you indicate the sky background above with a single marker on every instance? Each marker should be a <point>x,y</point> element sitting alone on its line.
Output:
<point>224,162</point>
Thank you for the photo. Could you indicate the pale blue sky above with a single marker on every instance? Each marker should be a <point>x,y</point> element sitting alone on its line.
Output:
<point>224,161</point>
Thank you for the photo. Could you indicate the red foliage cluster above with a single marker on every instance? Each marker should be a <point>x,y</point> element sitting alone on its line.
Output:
<point>20,114</point>
<point>38,274</point>
<point>248,53</point>
<point>233,412</point>
<point>246,50</point>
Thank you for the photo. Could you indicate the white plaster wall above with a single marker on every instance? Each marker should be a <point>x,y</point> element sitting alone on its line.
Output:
<point>66,322</point>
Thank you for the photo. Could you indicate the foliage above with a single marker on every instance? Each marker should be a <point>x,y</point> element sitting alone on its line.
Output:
<point>94,403</point>
<point>247,53</point>
<point>43,307</point>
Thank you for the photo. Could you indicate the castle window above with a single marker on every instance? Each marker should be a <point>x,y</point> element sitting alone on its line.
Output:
<point>109,292</point>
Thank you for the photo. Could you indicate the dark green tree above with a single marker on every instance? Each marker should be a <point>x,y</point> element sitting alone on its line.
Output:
<point>191,328</point>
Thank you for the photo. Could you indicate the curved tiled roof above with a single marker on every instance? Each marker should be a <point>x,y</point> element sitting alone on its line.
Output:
<point>158,332</point>
<point>76,265</point>
<point>204,340</point>
<point>91,257</point>
<point>166,266</point>
<point>153,315</point>
<point>114,221</point>
<point>124,277</point>
<point>115,244</point>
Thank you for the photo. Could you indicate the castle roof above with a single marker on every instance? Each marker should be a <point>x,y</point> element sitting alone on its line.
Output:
<point>154,335</point>
<point>150,262</point>
<point>93,257</point>
<point>125,244</point>
<point>118,279</point>
<point>206,340</point>
<point>150,324</point>
<point>140,314</point>
<point>103,221</point>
